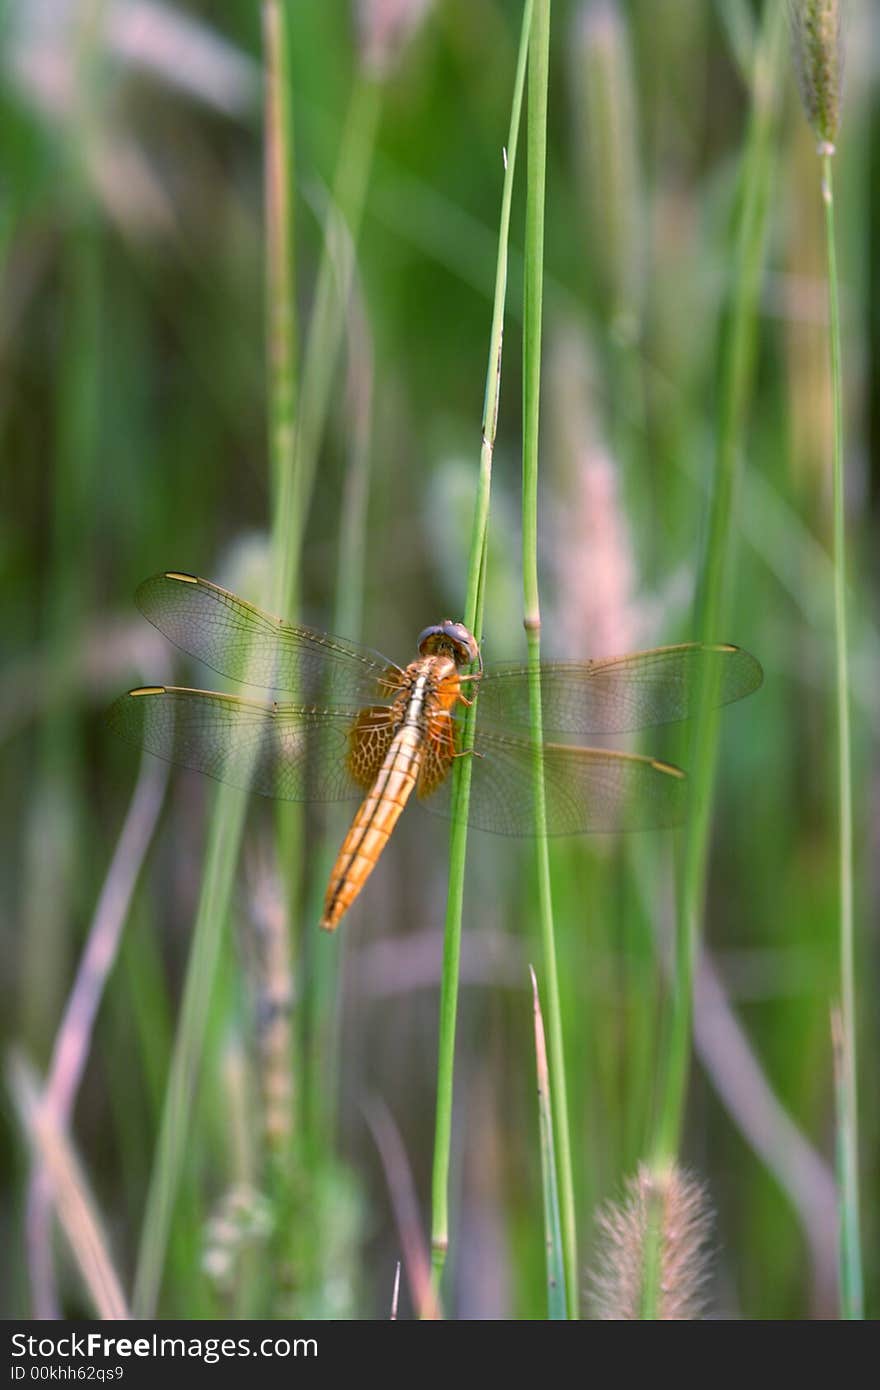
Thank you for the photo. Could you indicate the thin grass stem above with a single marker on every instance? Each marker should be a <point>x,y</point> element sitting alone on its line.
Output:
<point>323,1057</point>
<point>713,600</point>
<point>230,805</point>
<point>297,430</point>
<point>851,1295</point>
<point>556,1283</point>
<point>712,607</point>
<point>319,392</point>
<point>473,618</point>
<point>280,312</point>
<point>221,860</point>
<point>327,320</point>
<point>280,321</point>
<point>533,300</point>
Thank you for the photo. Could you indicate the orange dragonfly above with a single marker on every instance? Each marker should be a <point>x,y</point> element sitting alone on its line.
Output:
<point>358,726</point>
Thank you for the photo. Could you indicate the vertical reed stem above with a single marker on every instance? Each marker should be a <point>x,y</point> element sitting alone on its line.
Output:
<point>533,303</point>
<point>280,312</point>
<point>320,373</point>
<point>713,605</point>
<point>280,319</point>
<point>713,595</point>
<point>850,1248</point>
<point>285,467</point>
<point>230,805</point>
<point>462,771</point>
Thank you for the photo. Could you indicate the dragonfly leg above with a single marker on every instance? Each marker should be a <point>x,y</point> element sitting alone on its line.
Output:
<point>463,699</point>
<point>468,752</point>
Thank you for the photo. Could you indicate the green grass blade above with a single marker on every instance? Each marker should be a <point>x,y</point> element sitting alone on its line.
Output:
<point>846,1163</point>
<point>280,308</point>
<point>327,321</point>
<point>224,843</point>
<point>850,1247</point>
<point>324,1026</point>
<point>556,1300</point>
<point>462,771</point>
<point>230,806</point>
<point>534,294</point>
<point>280,321</point>
<point>713,604</point>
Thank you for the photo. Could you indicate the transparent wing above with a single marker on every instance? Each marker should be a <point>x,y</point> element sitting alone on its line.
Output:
<point>241,641</point>
<point>587,789</point>
<point>282,751</point>
<point>617,695</point>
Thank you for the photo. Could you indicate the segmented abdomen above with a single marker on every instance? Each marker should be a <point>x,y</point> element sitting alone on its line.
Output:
<point>378,814</point>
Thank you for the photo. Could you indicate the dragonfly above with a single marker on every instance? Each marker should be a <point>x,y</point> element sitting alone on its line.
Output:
<point>354,725</point>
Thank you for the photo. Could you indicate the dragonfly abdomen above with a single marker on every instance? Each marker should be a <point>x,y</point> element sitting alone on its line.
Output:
<point>378,814</point>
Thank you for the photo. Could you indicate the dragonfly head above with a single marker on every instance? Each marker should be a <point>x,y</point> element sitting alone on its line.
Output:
<point>450,639</point>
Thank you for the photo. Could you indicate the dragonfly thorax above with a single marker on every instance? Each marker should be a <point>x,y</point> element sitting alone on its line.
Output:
<point>430,684</point>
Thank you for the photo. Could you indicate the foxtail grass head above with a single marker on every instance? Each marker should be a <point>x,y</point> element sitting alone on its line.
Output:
<point>672,1207</point>
<point>818,55</point>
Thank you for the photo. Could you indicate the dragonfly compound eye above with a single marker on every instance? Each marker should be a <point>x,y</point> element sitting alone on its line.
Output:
<point>449,639</point>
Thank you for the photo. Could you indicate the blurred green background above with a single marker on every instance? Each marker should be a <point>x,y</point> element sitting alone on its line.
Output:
<point>133,405</point>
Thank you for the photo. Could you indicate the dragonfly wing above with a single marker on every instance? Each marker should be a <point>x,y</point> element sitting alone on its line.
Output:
<point>282,751</point>
<point>239,640</point>
<point>620,694</point>
<point>586,789</point>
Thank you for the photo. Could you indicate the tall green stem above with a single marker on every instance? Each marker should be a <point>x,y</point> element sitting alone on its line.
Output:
<point>712,608</point>
<point>280,313</point>
<point>533,305</point>
<point>462,772</point>
<point>320,373</point>
<point>323,1056</point>
<point>850,1248</point>
<point>278,1071</point>
<point>230,805</point>
<point>224,841</point>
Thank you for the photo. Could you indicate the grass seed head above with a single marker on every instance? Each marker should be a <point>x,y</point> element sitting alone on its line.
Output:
<point>818,55</point>
<point>685,1220</point>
